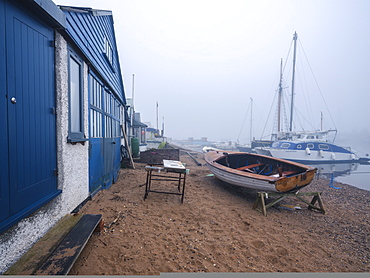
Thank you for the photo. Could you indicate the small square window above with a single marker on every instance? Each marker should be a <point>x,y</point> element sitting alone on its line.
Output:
<point>108,52</point>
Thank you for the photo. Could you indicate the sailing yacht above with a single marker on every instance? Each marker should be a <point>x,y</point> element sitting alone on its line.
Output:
<point>311,147</point>
<point>304,146</point>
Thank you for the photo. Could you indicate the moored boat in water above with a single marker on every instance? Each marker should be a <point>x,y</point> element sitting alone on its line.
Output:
<point>310,151</point>
<point>303,146</point>
<point>258,171</point>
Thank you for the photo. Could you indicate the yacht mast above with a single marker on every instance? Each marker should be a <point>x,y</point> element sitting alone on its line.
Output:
<point>279,97</point>
<point>251,130</point>
<point>294,56</point>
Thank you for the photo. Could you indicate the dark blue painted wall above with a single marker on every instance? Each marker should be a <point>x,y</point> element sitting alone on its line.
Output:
<point>89,32</point>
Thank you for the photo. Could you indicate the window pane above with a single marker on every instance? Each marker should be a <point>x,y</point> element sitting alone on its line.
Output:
<point>93,125</point>
<point>323,147</point>
<point>75,96</point>
<point>91,121</point>
<point>99,96</point>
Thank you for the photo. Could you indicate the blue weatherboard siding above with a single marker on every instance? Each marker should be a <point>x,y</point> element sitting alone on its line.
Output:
<point>89,30</point>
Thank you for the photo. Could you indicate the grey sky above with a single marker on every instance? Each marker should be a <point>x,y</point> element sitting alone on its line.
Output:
<point>203,61</point>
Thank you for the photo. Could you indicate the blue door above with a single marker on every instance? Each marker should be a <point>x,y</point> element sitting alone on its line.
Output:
<point>104,145</point>
<point>108,140</point>
<point>4,175</point>
<point>111,140</point>
<point>28,138</point>
<point>96,148</point>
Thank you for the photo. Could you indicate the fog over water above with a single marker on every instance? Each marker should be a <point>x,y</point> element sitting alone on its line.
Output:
<point>203,61</point>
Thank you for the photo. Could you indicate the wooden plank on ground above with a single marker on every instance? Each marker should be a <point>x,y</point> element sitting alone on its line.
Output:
<point>62,259</point>
<point>42,249</point>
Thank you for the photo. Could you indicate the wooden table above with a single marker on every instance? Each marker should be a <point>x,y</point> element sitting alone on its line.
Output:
<point>173,171</point>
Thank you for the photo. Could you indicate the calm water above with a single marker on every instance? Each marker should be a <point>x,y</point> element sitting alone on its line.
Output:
<point>353,174</point>
<point>359,178</point>
<point>360,175</point>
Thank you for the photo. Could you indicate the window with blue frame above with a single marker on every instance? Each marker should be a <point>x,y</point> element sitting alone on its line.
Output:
<point>76,110</point>
<point>112,116</point>
<point>104,111</point>
<point>96,108</point>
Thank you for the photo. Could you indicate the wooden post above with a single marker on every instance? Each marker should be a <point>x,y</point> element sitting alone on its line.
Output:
<point>128,147</point>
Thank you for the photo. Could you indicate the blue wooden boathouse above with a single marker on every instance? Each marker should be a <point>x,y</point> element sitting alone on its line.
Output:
<point>92,31</point>
<point>62,105</point>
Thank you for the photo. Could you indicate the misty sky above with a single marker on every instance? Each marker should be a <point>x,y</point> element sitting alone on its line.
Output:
<point>203,61</point>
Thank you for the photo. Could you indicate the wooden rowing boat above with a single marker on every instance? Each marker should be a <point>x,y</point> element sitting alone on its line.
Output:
<point>259,171</point>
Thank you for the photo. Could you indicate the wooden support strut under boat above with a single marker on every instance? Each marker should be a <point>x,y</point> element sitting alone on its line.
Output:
<point>311,205</point>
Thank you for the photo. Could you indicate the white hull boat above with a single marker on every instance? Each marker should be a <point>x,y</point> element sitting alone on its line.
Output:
<point>258,171</point>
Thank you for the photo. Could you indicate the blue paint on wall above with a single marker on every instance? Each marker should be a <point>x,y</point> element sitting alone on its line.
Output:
<point>90,29</point>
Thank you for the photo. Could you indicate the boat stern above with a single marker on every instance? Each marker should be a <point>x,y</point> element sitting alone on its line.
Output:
<point>295,182</point>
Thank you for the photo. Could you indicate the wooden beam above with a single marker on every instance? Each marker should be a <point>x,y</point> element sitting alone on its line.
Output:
<point>43,248</point>
<point>128,147</point>
<point>64,256</point>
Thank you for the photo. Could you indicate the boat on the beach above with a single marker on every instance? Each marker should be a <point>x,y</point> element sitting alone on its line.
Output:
<point>259,171</point>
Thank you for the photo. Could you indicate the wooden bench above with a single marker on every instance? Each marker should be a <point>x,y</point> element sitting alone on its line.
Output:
<point>64,256</point>
<point>289,173</point>
<point>250,166</point>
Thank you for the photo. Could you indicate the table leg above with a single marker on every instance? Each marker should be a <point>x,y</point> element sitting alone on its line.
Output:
<point>147,184</point>
<point>183,189</point>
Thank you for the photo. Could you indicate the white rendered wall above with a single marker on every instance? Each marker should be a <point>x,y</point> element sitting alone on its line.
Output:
<point>73,166</point>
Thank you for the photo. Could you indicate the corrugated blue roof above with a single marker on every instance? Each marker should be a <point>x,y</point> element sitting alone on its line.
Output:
<point>91,29</point>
